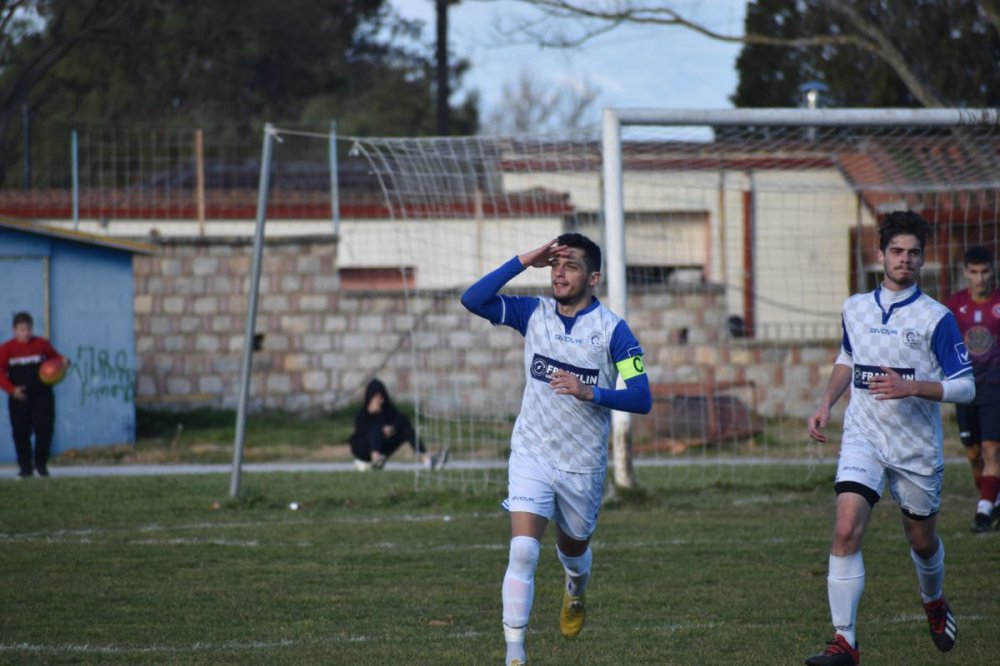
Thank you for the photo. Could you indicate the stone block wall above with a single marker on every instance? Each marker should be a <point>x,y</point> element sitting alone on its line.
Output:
<point>321,346</point>
<point>191,303</point>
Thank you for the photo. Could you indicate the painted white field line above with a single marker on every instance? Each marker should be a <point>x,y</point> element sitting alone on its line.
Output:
<point>8,472</point>
<point>643,629</point>
<point>86,648</point>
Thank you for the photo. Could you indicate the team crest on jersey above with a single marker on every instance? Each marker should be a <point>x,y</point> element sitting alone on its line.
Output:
<point>911,338</point>
<point>996,311</point>
<point>595,341</point>
<point>979,340</point>
<point>543,367</point>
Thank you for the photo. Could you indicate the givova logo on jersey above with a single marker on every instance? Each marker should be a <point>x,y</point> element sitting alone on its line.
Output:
<point>863,374</point>
<point>542,368</point>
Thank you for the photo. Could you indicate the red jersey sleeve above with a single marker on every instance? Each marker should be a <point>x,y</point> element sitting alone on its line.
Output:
<point>5,382</point>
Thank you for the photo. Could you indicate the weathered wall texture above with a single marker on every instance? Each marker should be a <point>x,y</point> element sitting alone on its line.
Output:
<point>321,346</point>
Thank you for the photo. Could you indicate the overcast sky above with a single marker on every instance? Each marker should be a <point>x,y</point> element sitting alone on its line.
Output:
<point>631,66</point>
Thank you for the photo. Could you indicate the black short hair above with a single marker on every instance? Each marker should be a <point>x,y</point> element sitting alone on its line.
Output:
<point>903,223</point>
<point>978,254</point>
<point>23,318</point>
<point>591,251</point>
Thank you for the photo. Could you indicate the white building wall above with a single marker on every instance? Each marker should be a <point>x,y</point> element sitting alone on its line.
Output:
<point>801,245</point>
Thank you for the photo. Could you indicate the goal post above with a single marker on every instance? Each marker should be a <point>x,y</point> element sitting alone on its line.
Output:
<point>614,200</point>
<point>731,239</point>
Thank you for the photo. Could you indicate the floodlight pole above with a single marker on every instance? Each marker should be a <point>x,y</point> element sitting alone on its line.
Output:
<point>251,321</point>
<point>614,266</point>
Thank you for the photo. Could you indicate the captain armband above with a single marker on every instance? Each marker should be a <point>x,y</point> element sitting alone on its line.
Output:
<point>631,367</point>
<point>960,389</point>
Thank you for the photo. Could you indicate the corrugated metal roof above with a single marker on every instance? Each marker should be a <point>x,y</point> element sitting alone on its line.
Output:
<point>109,242</point>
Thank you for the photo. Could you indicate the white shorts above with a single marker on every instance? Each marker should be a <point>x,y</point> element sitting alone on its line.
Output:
<point>917,494</point>
<point>570,499</point>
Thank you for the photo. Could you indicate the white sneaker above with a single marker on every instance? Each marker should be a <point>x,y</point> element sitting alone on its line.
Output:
<point>441,459</point>
<point>362,466</point>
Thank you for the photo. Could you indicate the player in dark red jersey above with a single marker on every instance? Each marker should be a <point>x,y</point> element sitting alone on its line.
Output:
<point>977,310</point>
<point>32,405</point>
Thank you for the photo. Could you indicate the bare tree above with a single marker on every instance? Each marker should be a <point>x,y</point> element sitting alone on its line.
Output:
<point>530,106</point>
<point>570,23</point>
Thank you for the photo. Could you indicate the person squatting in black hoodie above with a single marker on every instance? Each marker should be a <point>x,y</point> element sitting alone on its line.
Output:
<point>380,429</point>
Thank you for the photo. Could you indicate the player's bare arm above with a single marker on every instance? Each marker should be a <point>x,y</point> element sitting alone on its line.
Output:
<point>541,257</point>
<point>566,383</point>
<point>840,379</point>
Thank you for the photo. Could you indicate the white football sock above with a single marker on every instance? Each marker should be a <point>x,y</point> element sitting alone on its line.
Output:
<point>577,570</point>
<point>930,573</point>
<point>518,593</point>
<point>844,585</point>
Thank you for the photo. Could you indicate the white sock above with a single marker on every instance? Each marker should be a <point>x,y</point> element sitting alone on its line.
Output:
<point>515,645</point>
<point>577,570</point>
<point>844,585</point>
<point>930,573</point>
<point>518,593</point>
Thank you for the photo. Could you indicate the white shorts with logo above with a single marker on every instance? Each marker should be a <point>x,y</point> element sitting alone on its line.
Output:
<point>571,500</point>
<point>917,494</point>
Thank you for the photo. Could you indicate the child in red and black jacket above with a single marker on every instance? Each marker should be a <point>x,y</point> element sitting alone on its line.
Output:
<point>32,404</point>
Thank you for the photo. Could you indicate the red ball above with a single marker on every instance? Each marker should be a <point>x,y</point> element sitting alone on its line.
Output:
<point>52,371</point>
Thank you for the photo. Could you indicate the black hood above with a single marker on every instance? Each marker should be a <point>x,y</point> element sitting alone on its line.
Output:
<point>374,387</point>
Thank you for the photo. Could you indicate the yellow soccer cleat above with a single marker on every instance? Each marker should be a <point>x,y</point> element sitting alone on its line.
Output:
<point>571,615</point>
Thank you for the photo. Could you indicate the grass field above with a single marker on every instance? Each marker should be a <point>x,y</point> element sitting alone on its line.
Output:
<point>206,435</point>
<point>370,571</point>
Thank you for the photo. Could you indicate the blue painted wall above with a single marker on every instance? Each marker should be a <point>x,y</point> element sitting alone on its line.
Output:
<point>91,306</point>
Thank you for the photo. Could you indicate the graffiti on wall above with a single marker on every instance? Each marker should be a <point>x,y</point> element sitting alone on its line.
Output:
<point>103,374</point>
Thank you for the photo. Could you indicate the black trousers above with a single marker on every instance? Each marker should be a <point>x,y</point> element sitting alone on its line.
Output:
<point>35,415</point>
<point>362,444</point>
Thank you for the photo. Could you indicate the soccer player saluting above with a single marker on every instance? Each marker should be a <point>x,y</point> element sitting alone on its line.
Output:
<point>574,350</point>
<point>904,353</point>
<point>977,310</point>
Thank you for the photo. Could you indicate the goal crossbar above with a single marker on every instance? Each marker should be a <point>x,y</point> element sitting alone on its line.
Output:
<point>807,117</point>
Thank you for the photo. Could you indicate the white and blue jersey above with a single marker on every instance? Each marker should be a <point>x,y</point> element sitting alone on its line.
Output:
<point>596,345</point>
<point>919,339</point>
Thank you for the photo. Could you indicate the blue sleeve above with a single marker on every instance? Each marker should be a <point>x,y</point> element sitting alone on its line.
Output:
<point>845,341</point>
<point>482,298</point>
<point>627,357</point>
<point>949,348</point>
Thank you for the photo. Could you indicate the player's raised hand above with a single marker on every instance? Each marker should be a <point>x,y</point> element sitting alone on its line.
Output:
<point>566,383</point>
<point>818,421</point>
<point>890,386</point>
<point>542,256</point>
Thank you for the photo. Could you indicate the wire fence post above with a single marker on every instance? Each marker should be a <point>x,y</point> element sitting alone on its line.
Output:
<point>199,178</point>
<point>75,168</point>
<point>251,321</point>
<point>334,180</point>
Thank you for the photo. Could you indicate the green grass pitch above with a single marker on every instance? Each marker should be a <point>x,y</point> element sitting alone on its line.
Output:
<point>693,568</point>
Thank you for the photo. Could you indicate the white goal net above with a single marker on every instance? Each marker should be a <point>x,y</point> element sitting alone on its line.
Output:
<point>742,239</point>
